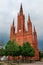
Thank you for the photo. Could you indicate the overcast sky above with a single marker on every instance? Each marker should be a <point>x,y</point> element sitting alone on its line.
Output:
<point>9,9</point>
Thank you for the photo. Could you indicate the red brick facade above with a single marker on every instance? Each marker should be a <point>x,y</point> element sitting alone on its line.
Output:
<point>22,35</point>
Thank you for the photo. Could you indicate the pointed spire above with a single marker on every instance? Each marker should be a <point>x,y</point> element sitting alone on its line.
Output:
<point>29,21</point>
<point>13,22</point>
<point>28,18</point>
<point>21,9</point>
<point>34,29</point>
<point>13,26</point>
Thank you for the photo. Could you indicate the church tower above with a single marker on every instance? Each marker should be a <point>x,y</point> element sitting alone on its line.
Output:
<point>21,21</point>
<point>35,39</point>
<point>12,31</point>
<point>22,35</point>
<point>36,45</point>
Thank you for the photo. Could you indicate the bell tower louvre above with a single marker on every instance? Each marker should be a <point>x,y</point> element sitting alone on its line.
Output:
<point>22,35</point>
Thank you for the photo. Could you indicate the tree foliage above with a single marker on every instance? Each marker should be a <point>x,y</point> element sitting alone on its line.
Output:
<point>41,54</point>
<point>27,50</point>
<point>13,49</point>
<point>2,52</point>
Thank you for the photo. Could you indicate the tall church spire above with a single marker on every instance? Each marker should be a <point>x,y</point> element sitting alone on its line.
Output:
<point>21,9</point>
<point>21,21</point>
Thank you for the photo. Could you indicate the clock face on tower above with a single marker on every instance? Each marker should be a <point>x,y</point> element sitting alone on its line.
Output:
<point>19,30</point>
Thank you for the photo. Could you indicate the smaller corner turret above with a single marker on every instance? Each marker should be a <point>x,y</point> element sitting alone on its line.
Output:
<point>12,31</point>
<point>29,25</point>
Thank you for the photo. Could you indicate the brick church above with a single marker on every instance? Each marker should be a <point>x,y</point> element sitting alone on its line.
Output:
<point>22,34</point>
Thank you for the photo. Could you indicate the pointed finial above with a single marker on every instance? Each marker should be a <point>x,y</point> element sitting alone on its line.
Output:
<point>28,17</point>
<point>34,29</point>
<point>21,9</point>
<point>13,22</point>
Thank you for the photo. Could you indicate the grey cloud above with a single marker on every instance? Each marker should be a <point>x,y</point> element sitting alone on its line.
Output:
<point>9,9</point>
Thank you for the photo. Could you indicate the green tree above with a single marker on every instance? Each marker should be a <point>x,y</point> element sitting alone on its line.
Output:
<point>2,52</point>
<point>11,48</point>
<point>19,50</point>
<point>27,50</point>
<point>40,55</point>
